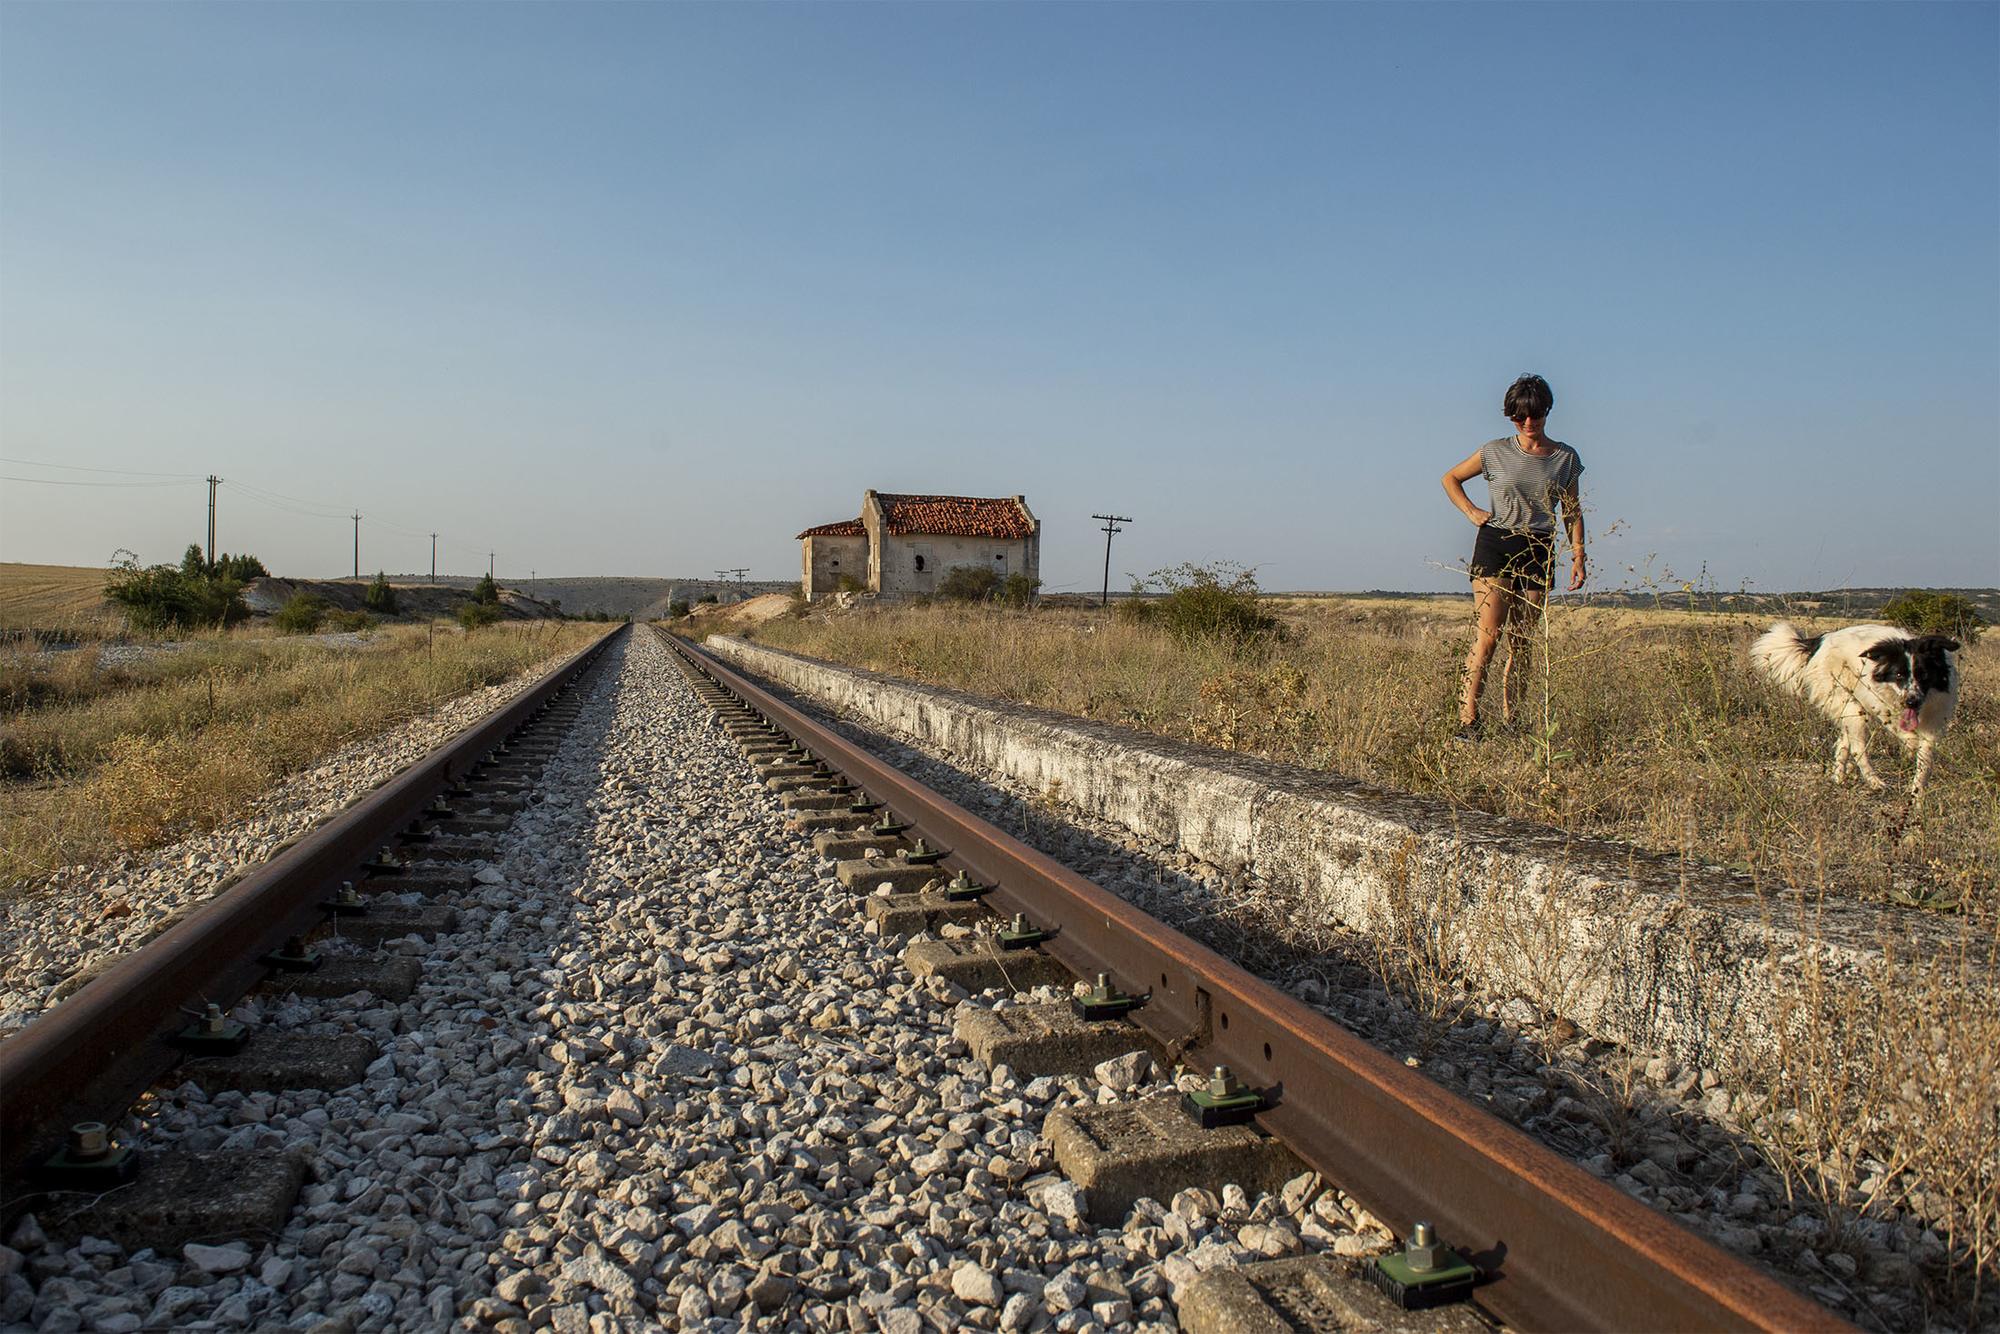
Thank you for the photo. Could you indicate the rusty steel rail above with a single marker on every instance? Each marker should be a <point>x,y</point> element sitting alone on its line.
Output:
<point>1562,1249</point>
<point>92,1055</point>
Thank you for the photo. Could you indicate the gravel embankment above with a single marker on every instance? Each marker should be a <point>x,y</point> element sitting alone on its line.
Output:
<point>1673,1138</point>
<point>79,916</point>
<point>662,1076</point>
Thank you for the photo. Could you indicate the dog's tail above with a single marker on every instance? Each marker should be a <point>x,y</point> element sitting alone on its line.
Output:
<point>1781,654</point>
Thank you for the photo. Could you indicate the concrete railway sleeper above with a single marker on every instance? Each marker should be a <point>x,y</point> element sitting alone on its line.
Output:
<point>1549,1246</point>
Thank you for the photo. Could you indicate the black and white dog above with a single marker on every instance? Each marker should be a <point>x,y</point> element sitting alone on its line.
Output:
<point>1909,682</point>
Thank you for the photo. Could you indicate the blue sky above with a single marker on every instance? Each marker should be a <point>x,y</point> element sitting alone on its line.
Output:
<point>645,289</point>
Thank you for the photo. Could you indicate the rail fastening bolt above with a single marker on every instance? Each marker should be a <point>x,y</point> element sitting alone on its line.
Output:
<point>1224,1084</point>
<point>89,1140</point>
<point>213,1020</point>
<point>1423,1253</point>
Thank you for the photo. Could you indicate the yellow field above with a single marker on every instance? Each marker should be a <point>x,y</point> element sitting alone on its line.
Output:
<point>64,598</point>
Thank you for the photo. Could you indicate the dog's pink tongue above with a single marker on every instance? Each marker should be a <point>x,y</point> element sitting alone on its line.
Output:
<point>1909,720</point>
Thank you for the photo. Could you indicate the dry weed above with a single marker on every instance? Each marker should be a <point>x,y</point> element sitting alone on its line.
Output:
<point>132,757</point>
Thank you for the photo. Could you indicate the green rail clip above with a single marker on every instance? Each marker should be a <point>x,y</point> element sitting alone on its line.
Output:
<point>1106,1001</point>
<point>1225,1102</point>
<point>1020,936</point>
<point>89,1162</point>
<point>924,855</point>
<point>1424,1274</point>
<point>294,957</point>
<point>961,890</point>
<point>346,903</point>
<point>213,1033</point>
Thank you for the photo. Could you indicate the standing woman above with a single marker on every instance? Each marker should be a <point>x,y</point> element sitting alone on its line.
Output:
<point>1513,559</point>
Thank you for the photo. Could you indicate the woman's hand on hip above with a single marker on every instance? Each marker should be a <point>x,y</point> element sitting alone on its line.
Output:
<point>1480,518</point>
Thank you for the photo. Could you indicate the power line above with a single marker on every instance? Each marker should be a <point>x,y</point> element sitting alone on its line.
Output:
<point>116,472</point>
<point>63,481</point>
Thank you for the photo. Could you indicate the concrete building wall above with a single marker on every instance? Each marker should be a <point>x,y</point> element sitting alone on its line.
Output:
<point>826,560</point>
<point>917,563</point>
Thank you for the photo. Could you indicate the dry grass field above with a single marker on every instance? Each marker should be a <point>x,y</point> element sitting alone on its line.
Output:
<point>1640,725</point>
<point>65,600</point>
<point>1644,726</point>
<point>97,758</point>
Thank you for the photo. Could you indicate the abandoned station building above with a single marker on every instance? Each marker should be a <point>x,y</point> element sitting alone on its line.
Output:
<point>905,544</point>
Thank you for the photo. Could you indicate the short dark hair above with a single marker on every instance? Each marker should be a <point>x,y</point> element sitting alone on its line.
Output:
<point>1528,396</point>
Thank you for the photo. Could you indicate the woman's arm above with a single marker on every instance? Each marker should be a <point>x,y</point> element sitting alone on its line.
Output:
<point>1572,507</point>
<point>1454,486</point>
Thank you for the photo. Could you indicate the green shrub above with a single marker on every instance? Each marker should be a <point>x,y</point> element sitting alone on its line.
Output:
<point>677,608</point>
<point>1929,612</point>
<point>349,621</point>
<point>847,583</point>
<point>968,583</point>
<point>486,593</point>
<point>1207,602</point>
<point>1019,590</point>
<point>241,568</point>
<point>300,615</point>
<point>380,597</point>
<point>165,596</point>
<point>472,615</point>
<point>708,597</point>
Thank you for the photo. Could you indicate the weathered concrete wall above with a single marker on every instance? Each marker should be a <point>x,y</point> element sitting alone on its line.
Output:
<point>1637,948</point>
<point>828,558</point>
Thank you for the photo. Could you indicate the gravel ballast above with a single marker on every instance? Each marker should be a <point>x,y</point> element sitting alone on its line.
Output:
<point>663,1075</point>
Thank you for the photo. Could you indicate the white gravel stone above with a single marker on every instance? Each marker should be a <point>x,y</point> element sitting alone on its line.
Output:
<point>217,1259</point>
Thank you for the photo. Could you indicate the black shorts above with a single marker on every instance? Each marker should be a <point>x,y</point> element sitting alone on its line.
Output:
<point>1513,553</point>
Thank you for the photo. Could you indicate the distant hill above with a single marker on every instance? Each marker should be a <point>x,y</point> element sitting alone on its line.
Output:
<point>641,597</point>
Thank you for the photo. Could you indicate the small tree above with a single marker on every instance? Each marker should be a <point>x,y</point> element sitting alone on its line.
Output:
<point>473,615</point>
<point>486,593</point>
<point>1927,611</point>
<point>1216,602</point>
<point>380,597</point>
<point>166,596</point>
<point>241,568</point>
<point>677,608</point>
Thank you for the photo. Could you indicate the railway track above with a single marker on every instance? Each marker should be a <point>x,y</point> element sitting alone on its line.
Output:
<point>1555,1247</point>
<point>70,1075</point>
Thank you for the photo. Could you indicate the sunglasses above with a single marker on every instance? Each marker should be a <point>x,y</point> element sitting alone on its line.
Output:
<point>1529,417</point>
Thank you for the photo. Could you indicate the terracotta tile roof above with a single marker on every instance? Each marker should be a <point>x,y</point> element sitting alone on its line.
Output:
<point>844,528</point>
<point>954,516</point>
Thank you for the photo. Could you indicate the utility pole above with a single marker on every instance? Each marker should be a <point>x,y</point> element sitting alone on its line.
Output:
<point>1111,522</point>
<point>357,544</point>
<point>489,565</point>
<point>434,557</point>
<point>213,482</point>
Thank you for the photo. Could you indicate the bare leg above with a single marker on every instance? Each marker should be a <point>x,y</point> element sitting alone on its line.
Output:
<point>1525,608</point>
<point>1489,610</point>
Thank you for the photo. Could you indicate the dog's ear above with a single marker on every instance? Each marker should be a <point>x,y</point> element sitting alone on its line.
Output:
<point>1886,649</point>
<point>1951,646</point>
